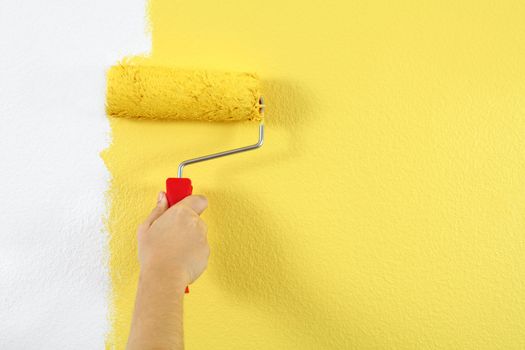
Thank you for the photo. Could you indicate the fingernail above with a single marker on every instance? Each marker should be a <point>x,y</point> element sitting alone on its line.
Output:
<point>160,197</point>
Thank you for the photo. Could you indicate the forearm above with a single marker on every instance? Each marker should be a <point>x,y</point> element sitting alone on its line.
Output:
<point>173,252</point>
<point>157,319</point>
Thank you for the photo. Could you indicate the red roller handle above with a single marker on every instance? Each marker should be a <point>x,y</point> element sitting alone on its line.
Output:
<point>176,190</point>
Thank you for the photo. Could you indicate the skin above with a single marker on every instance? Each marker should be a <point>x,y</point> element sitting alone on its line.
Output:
<point>173,252</point>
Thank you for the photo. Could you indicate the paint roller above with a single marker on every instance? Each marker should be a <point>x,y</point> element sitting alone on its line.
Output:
<point>150,92</point>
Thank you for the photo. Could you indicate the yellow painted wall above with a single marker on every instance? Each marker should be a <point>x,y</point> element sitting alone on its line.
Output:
<point>387,208</point>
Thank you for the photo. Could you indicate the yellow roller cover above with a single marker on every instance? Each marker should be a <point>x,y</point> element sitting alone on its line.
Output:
<point>136,91</point>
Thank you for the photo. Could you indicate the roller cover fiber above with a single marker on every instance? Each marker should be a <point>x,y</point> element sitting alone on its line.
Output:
<point>135,91</point>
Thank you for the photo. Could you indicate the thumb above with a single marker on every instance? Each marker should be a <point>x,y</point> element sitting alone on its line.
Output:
<point>197,203</point>
<point>162,205</point>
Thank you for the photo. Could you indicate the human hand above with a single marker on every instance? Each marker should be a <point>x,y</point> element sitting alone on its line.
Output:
<point>172,242</point>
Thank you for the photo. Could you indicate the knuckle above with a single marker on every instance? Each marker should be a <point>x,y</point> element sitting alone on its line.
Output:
<point>182,210</point>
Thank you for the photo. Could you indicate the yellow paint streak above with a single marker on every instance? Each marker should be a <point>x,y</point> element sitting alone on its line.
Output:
<point>387,208</point>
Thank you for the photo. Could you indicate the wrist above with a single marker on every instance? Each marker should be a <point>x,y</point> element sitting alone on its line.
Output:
<point>172,281</point>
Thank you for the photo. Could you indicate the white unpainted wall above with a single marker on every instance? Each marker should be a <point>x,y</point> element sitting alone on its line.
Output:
<point>54,283</point>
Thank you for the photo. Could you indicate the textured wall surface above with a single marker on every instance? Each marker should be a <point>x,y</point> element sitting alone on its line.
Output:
<point>53,248</point>
<point>386,209</point>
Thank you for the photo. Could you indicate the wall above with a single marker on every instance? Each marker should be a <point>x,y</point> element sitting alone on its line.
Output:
<point>385,209</point>
<point>53,248</point>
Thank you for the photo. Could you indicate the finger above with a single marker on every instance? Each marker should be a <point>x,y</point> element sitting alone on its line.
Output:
<point>162,206</point>
<point>203,229</point>
<point>203,226</point>
<point>196,202</point>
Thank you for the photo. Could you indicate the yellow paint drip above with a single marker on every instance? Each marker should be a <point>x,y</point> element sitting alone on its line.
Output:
<point>385,210</point>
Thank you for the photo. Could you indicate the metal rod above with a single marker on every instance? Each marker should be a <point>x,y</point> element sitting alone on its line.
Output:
<point>224,153</point>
